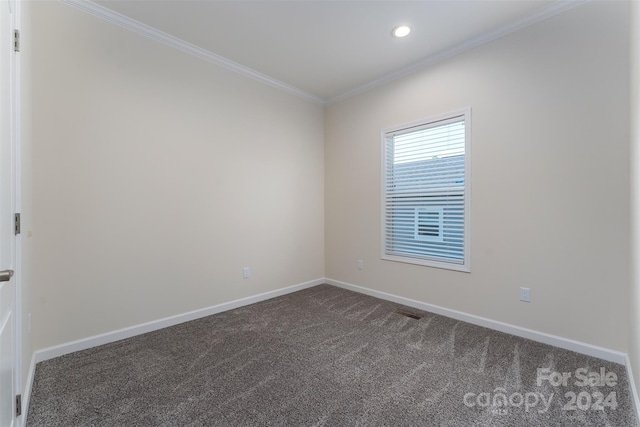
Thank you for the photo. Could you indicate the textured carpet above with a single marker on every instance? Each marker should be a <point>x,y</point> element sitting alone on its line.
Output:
<point>327,356</point>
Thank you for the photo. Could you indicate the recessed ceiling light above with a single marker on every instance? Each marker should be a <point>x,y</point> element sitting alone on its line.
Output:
<point>401,31</point>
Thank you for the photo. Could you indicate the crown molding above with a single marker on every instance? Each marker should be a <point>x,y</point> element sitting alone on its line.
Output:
<point>186,47</point>
<point>553,9</point>
<point>149,32</point>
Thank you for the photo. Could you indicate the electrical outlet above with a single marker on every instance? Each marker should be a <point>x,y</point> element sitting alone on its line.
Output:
<point>525,294</point>
<point>360,264</point>
<point>246,272</point>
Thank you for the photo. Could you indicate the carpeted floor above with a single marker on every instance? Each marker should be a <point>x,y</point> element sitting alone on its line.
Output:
<point>327,356</point>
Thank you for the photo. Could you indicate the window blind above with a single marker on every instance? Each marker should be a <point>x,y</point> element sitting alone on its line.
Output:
<point>424,191</point>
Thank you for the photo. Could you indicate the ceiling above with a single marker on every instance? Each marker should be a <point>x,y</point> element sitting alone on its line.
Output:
<point>329,49</point>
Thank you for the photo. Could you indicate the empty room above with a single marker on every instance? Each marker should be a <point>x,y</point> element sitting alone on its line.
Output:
<point>316,212</point>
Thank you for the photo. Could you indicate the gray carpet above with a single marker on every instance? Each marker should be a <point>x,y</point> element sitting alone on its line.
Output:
<point>327,356</point>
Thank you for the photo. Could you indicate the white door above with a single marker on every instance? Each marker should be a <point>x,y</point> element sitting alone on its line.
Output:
<point>8,128</point>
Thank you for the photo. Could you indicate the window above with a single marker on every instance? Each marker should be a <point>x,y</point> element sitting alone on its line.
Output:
<point>426,190</point>
<point>429,224</point>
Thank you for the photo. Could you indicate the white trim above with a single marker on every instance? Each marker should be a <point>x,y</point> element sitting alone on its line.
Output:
<point>16,201</point>
<point>83,344</point>
<point>186,47</point>
<point>26,394</point>
<point>428,122</point>
<point>123,21</point>
<point>109,337</point>
<point>553,9</point>
<point>632,386</point>
<point>565,343</point>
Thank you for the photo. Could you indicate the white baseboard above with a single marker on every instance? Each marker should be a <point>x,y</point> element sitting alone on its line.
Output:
<point>632,386</point>
<point>109,337</point>
<point>565,343</point>
<point>86,343</point>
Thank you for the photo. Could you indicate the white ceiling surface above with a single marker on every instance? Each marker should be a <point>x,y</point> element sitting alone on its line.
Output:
<point>328,48</point>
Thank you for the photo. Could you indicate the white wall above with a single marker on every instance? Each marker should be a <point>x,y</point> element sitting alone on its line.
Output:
<point>550,178</point>
<point>157,177</point>
<point>634,328</point>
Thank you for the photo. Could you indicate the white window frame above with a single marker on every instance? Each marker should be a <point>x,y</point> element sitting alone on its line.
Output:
<point>466,264</point>
<point>439,223</point>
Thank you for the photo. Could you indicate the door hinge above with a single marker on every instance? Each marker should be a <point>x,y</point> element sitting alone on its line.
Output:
<point>18,405</point>
<point>16,40</point>
<point>16,224</point>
